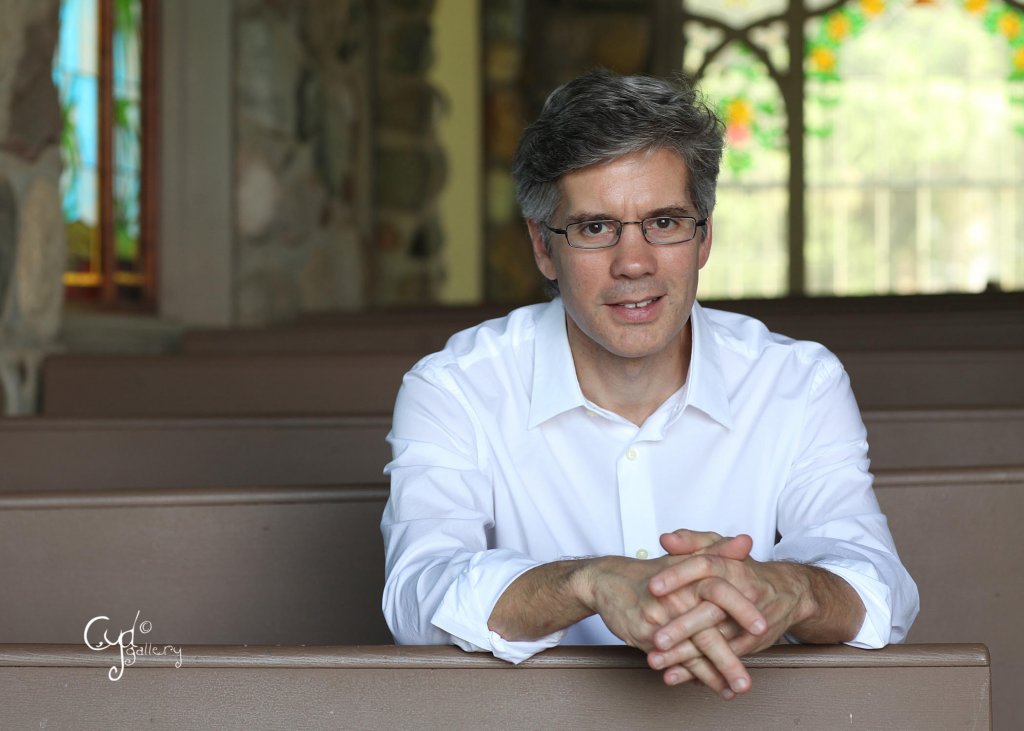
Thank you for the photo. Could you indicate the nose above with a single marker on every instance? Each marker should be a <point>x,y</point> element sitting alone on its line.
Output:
<point>634,257</point>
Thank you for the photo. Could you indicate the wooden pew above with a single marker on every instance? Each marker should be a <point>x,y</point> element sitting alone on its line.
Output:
<point>897,323</point>
<point>361,384</point>
<point>186,452</point>
<point>957,532</point>
<point>304,565</point>
<point>260,565</point>
<point>910,687</point>
<point>230,385</point>
<point>69,455</point>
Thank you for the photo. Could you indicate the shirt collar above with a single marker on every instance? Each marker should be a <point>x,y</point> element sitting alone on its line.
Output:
<point>555,386</point>
<point>705,381</point>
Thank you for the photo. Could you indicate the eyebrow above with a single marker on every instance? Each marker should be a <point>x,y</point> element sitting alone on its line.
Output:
<point>656,213</point>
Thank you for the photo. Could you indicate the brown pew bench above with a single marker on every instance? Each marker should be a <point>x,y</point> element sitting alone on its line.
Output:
<point>360,384</point>
<point>222,385</point>
<point>300,565</point>
<point>842,325</point>
<point>70,454</point>
<point>957,532</point>
<point>909,687</point>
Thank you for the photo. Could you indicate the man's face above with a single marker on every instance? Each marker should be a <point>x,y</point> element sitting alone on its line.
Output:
<point>633,300</point>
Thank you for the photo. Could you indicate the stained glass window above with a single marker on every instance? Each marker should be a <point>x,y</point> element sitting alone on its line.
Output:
<point>909,174</point>
<point>99,71</point>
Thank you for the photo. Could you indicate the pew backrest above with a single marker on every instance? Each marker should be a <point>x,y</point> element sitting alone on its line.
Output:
<point>931,686</point>
<point>364,384</point>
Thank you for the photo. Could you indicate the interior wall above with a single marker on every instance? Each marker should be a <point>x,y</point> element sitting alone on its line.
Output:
<point>457,75</point>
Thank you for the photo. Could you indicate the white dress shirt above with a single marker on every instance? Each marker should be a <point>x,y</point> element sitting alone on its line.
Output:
<point>501,464</point>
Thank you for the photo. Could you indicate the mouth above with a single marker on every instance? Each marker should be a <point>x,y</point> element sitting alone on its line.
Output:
<point>638,305</point>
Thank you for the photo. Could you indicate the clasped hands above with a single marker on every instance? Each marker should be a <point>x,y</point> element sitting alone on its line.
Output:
<point>698,610</point>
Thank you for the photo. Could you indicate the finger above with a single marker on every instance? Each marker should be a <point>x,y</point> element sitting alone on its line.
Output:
<point>681,542</point>
<point>685,543</point>
<point>717,652</point>
<point>705,615</point>
<point>725,597</point>
<point>705,671</point>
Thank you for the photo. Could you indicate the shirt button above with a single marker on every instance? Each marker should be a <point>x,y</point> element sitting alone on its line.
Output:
<point>641,554</point>
<point>632,454</point>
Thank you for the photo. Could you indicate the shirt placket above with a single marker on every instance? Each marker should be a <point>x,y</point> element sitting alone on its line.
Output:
<point>636,501</point>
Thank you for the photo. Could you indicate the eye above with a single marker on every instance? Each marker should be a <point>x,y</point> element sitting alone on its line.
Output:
<point>664,223</point>
<point>595,228</point>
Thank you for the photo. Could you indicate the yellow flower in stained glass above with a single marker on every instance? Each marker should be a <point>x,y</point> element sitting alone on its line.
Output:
<point>739,112</point>
<point>975,6</point>
<point>1018,59</point>
<point>872,7</point>
<point>839,26</point>
<point>823,60</point>
<point>1009,25</point>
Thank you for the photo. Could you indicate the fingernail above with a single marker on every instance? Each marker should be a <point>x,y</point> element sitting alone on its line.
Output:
<point>657,661</point>
<point>672,678</point>
<point>759,626</point>
<point>657,585</point>
<point>740,684</point>
<point>662,640</point>
<point>727,695</point>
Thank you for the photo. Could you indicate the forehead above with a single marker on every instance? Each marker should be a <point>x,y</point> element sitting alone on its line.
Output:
<point>636,183</point>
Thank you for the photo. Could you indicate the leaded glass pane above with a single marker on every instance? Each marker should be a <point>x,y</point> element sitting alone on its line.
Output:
<point>736,13</point>
<point>915,170</point>
<point>749,252</point>
<point>76,74</point>
<point>127,138</point>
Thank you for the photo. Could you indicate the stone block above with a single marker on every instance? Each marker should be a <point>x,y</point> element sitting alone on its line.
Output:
<point>35,120</point>
<point>407,107</point>
<point>408,176</point>
<point>408,48</point>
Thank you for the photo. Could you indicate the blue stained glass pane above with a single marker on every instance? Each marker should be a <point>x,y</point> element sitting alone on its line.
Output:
<point>76,76</point>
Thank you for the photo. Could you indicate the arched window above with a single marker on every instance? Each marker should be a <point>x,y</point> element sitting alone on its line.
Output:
<point>105,72</point>
<point>908,176</point>
<point>874,146</point>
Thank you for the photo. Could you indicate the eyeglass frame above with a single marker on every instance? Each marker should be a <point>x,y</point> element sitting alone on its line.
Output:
<point>622,224</point>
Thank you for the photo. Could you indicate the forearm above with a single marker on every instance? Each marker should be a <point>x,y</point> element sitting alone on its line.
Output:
<point>829,609</point>
<point>545,599</point>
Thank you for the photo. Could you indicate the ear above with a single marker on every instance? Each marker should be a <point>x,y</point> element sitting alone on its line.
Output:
<point>541,255</point>
<point>704,247</point>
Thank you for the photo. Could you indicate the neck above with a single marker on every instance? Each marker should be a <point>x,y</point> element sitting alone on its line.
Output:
<point>633,388</point>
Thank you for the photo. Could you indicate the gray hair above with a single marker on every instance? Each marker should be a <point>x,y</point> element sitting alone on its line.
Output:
<point>601,116</point>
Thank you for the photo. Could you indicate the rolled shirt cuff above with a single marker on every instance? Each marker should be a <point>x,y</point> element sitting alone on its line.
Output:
<point>875,632</point>
<point>469,601</point>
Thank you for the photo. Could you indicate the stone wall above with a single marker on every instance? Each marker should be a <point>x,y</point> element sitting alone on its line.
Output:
<point>303,217</point>
<point>409,163</point>
<point>338,166</point>
<point>32,249</point>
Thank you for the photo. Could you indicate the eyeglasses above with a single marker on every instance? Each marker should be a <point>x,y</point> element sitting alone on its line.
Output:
<point>657,230</point>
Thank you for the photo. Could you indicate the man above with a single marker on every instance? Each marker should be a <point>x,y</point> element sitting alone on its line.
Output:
<point>566,473</point>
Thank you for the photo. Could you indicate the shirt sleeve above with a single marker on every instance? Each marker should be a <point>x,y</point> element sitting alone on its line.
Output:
<point>442,574</point>
<point>829,515</point>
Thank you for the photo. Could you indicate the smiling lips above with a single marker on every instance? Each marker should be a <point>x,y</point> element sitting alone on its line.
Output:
<point>637,305</point>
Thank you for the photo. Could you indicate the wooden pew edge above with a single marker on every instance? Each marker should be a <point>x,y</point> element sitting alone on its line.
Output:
<point>14,499</point>
<point>412,657</point>
<point>163,497</point>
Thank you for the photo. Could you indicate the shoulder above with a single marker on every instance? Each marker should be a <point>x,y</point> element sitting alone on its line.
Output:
<point>747,343</point>
<point>498,344</point>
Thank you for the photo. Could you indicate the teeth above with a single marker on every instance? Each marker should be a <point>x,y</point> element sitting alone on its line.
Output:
<point>634,305</point>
